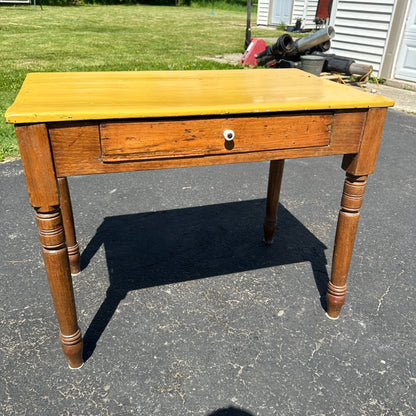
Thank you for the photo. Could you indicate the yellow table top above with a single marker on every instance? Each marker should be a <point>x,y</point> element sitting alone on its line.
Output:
<point>113,95</point>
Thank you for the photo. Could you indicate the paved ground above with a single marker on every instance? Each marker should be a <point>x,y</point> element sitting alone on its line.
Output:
<point>405,98</point>
<point>186,312</point>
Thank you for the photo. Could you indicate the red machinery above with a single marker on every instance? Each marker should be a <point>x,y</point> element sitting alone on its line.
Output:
<point>256,46</point>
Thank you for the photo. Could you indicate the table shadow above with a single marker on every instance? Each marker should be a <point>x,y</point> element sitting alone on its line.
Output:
<point>231,411</point>
<point>164,247</point>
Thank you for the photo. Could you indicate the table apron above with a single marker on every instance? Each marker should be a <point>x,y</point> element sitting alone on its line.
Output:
<point>87,147</point>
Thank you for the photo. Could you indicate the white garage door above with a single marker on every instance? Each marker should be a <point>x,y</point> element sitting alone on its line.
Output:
<point>406,63</point>
<point>281,11</point>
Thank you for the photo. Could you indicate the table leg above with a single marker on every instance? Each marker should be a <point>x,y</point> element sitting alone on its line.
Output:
<point>349,214</point>
<point>68,221</point>
<point>273,193</point>
<point>42,189</point>
<point>55,256</point>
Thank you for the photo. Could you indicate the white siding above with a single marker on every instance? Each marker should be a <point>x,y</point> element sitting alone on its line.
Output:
<point>263,9</point>
<point>362,28</point>
<point>305,10</point>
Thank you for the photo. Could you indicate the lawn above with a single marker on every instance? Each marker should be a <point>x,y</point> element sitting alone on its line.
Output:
<point>111,38</point>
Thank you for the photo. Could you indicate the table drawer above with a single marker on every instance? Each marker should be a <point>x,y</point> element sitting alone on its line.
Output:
<point>173,138</point>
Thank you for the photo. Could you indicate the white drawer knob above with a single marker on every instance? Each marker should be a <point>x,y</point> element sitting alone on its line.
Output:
<point>229,135</point>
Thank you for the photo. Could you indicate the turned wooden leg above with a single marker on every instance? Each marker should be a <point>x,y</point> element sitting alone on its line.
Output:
<point>349,214</point>
<point>273,192</point>
<point>68,221</point>
<point>55,255</point>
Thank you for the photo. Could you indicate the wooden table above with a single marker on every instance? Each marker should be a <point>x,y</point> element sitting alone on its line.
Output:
<point>84,123</point>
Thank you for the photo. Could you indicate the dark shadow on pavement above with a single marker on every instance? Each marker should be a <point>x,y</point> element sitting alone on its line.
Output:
<point>231,411</point>
<point>164,247</point>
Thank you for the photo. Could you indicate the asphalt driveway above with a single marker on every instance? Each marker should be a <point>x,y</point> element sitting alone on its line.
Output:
<point>186,312</point>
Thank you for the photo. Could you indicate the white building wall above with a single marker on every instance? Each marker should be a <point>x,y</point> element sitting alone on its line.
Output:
<point>302,9</point>
<point>263,10</point>
<point>362,29</point>
<point>305,10</point>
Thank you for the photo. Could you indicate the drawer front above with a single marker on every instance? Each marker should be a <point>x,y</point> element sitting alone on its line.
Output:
<point>146,140</point>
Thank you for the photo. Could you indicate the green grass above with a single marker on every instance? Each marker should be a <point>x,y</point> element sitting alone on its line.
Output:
<point>111,38</point>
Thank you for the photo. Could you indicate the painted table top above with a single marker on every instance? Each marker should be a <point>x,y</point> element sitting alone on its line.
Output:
<point>65,96</point>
